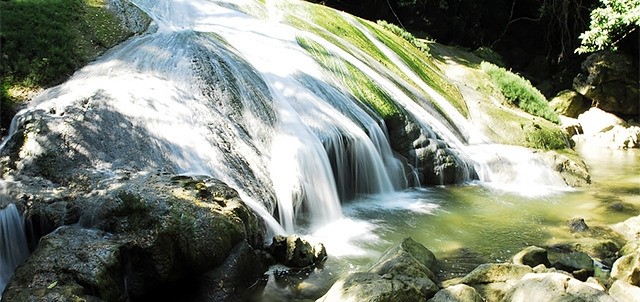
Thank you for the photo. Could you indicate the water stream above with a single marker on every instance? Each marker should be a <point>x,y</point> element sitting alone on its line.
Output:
<point>218,92</point>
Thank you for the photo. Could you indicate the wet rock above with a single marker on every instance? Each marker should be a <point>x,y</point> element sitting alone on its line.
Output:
<point>459,293</point>
<point>554,287</point>
<point>296,252</point>
<point>532,256</point>
<point>578,225</point>
<point>403,273</point>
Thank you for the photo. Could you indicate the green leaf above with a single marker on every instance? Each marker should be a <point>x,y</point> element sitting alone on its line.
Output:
<point>52,285</point>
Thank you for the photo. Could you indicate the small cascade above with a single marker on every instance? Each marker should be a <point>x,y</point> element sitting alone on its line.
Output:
<point>13,243</point>
<point>514,168</point>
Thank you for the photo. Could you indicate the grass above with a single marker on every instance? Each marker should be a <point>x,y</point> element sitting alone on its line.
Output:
<point>45,41</point>
<point>520,92</point>
<point>401,32</point>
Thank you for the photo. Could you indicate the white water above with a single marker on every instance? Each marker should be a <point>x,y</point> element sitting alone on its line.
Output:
<point>13,243</point>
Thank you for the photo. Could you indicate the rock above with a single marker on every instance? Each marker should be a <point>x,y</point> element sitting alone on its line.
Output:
<point>532,256</point>
<point>596,120</point>
<point>577,263</point>
<point>296,252</point>
<point>151,233</point>
<point>570,125</point>
<point>553,287</point>
<point>403,273</point>
<point>622,291</point>
<point>227,282</point>
<point>610,81</point>
<point>363,286</point>
<point>578,225</point>
<point>492,273</point>
<point>627,269</point>
<point>409,258</point>
<point>72,263</point>
<point>459,293</point>
<point>572,169</point>
<point>569,103</point>
<point>629,228</point>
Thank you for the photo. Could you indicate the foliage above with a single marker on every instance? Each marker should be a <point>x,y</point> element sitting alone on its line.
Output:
<point>520,92</point>
<point>610,24</point>
<point>400,32</point>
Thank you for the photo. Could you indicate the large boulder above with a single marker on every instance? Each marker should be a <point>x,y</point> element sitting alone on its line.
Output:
<point>610,81</point>
<point>403,273</point>
<point>151,234</point>
<point>554,287</point>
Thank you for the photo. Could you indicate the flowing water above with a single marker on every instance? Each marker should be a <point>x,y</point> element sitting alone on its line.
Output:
<point>213,90</point>
<point>13,242</point>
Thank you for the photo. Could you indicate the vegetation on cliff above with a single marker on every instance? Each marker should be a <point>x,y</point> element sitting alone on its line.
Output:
<point>45,41</point>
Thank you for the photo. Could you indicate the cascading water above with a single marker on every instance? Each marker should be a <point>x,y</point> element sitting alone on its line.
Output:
<point>219,92</point>
<point>13,243</point>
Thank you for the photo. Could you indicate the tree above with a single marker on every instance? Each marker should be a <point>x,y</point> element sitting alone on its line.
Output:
<point>610,24</point>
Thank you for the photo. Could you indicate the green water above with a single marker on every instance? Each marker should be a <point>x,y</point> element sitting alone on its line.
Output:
<point>466,225</point>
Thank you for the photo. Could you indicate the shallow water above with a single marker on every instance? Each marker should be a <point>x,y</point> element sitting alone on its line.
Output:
<point>466,225</point>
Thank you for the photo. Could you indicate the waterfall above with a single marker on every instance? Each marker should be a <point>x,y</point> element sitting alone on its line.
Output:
<point>13,243</point>
<point>219,92</point>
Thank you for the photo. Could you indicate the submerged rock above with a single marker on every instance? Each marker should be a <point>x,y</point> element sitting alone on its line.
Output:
<point>578,225</point>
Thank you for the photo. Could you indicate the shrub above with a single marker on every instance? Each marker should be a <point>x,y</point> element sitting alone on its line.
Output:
<point>520,92</point>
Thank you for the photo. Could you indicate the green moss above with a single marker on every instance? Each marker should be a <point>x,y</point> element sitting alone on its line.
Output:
<point>520,92</point>
<point>365,90</point>
<point>544,138</point>
<point>420,63</point>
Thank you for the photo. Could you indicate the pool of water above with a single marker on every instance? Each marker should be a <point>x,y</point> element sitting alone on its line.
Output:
<point>465,225</point>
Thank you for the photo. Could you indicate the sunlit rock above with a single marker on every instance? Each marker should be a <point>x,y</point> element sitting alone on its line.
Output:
<point>627,268</point>
<point>460,293</point>
<point>554,287</point>
<point>403,273</point>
